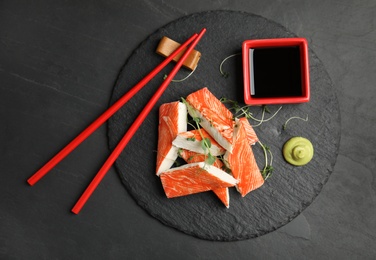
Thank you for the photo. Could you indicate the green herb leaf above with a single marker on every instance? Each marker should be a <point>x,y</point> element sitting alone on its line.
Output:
<point>244,111</point>
<point>205,144</point>
<point>266,109</point>
<point>225,74</point>
<point>210,159</point>
<point>266,172</point>
<point>176,163</point>
<point>180,150</point>
<point>226,169</point>
<point>197,120</point>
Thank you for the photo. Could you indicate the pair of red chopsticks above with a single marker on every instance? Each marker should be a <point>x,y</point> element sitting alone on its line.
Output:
<point>194,39</point>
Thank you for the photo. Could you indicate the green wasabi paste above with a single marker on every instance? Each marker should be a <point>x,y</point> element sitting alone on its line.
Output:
<point>298,151</point>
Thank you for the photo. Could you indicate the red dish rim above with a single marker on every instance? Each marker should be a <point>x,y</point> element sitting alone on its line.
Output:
<point>279,42</point>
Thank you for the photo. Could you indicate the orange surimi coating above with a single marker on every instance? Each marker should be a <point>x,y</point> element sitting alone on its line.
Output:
<point>194,178</point>
<point>191,140</point>
<point>224,195</point>
<point>251,134</point>
<point>172,120</point>
<point>243,164</point>
<point>192,157</point>
<point>217,120</point>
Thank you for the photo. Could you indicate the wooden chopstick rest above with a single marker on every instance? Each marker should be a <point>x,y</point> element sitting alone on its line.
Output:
<point>166,46</point>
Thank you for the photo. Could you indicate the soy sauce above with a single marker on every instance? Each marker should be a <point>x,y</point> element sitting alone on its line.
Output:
<point>275,72</point>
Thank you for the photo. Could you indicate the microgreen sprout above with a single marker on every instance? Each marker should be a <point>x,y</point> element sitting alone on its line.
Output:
<point>180,80</point>
<point>226,74</point>
<point>294,117</point>
<point>180,150</point>
<point>205,142</point>
<point>266,109</point>
<point>262,120</point>
<point>240,111</point>
<point>268,169</point>
<point>225,166</point>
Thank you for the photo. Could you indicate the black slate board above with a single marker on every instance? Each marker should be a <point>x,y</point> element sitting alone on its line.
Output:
<point>287,193</point>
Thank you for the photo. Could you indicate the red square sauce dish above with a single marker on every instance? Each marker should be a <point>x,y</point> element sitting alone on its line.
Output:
<point>275,71</point>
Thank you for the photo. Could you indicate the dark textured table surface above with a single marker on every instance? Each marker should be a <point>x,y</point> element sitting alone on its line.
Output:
<point>58,65</point>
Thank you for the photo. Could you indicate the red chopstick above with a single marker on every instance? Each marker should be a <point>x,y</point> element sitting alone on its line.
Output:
<point>104,117</point>
<point>132,130</point>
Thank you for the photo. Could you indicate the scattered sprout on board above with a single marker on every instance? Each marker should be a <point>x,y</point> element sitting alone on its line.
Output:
<point>294,117</point>
<point>223,73</point>
<point>240,111</point>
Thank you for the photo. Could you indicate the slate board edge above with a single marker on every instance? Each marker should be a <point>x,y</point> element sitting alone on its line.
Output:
<point>188,232</point>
